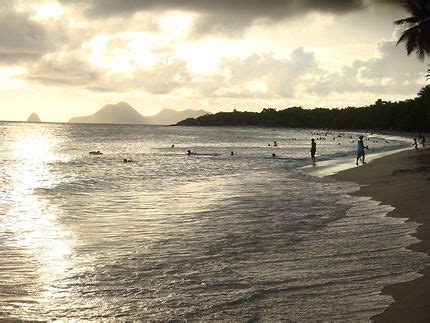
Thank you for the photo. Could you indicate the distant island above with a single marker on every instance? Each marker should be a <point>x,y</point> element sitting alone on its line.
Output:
<point>123,113</point>
<point>170,117</point>
<point>33,118</point>
<point>408,115</point>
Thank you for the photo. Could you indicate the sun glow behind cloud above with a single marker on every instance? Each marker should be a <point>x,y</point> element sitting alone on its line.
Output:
<point>175,24</point>
<point>9,77</point>
<point>47,10</point>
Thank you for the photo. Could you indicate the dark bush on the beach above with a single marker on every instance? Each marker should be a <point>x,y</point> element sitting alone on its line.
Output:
<point>408,115</point>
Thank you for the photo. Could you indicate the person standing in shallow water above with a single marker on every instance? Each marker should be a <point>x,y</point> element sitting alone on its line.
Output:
<point>313,149</point>
<point>360,150</point>
<point>415,143</point>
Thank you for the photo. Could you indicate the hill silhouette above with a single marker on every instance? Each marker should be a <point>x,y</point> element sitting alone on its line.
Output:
<point>33,117</point>
<point>123,113</point>
<point>169,116</point>
<point>120,113</point>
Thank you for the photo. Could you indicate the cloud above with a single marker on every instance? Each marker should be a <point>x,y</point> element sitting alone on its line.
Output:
<point>254,8</point>
<point>263,75</point>
<point>164,77</point>
<point>257,76</point>
<point>73,70</point>
<point>390,72</point>
<point>221,16</point>
<point>63,70</point>
<point>21,39</point>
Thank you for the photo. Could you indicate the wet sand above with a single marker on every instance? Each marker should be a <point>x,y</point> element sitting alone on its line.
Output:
<point>403,181</point>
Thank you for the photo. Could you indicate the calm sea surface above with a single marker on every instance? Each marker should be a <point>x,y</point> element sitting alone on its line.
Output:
<point>208,236</point>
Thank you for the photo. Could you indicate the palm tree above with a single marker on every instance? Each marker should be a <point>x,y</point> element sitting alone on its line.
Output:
<point>416,33</point>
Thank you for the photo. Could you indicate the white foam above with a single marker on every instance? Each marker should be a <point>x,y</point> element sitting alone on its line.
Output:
<point>332,167</point>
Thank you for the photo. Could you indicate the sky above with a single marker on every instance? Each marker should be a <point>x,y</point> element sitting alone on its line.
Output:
<point>69,58</point>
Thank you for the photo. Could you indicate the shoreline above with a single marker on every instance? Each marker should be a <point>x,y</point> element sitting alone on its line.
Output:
<point>335,166</point>
<point>402,180</point>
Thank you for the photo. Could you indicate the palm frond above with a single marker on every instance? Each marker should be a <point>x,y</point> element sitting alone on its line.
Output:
<point>408,22</point>
<point>410,37</point>
<point>419,48</point>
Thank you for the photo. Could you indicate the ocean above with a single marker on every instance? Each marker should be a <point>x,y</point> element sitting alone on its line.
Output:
<point>209,236</point>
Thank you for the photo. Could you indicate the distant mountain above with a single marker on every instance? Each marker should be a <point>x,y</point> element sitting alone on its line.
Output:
<point>169,116</point>
<point>33,118</point>
<point>120,113</point>
<point>123,113</point>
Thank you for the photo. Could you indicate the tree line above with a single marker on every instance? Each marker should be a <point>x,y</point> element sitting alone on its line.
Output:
<point>408,115</point>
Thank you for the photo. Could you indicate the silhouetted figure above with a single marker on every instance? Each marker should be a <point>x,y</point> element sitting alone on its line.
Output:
<point>189,152</point>
<point>273,155</point>
<point>360,150</point>
<point>232,153</point>
<point>96,152</point>
<point>313,149</point>
<point>173,146</point>
<point>415,143</point>
<point>275,144</point>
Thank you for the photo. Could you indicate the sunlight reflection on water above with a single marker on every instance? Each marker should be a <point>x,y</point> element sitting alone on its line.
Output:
<point>32,220</point>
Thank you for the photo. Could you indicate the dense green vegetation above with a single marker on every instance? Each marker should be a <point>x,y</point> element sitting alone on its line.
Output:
<point>409,115</point>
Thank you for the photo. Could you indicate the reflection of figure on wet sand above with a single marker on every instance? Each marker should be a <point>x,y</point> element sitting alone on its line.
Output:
<point>421,139</point>
<point>313,150</point>
<point>415,143</point>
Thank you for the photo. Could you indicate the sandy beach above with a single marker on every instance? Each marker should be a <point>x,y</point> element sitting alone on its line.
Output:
<point>401,180</point>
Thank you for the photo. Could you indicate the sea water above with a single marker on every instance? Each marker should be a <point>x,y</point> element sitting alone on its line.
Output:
<point>206,236</point>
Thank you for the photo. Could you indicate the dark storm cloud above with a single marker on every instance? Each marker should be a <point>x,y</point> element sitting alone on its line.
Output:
<point>222,16</point>
<point>254,8</point>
